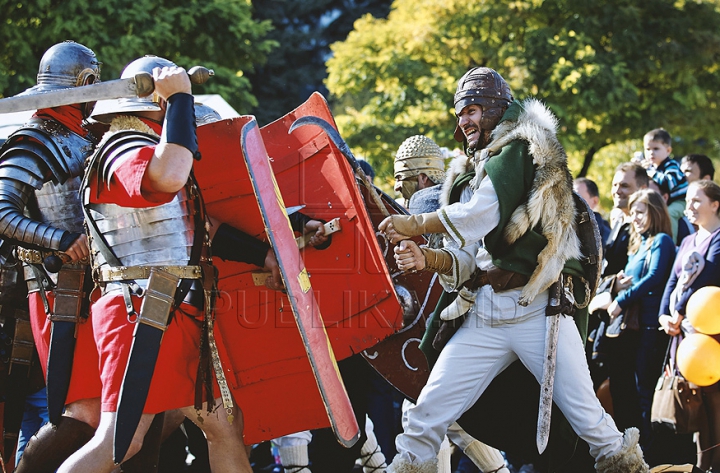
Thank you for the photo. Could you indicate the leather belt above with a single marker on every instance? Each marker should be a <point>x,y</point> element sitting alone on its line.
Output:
<point>128,273</point>
<point>500,279</point>
<point>37,257</point>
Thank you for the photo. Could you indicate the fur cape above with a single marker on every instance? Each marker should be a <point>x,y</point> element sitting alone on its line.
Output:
<point>550,201</point>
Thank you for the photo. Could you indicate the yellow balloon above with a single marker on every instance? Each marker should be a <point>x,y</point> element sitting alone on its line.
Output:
<point>703,310</point>
<point>698,359</point>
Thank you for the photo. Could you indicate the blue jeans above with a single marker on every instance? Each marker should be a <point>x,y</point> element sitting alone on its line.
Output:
<point>34,417</point>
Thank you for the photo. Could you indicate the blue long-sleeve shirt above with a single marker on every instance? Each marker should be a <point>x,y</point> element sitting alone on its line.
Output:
<point>649,279</point>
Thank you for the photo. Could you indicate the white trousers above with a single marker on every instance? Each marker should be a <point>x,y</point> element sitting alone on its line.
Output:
<point>478,352</point>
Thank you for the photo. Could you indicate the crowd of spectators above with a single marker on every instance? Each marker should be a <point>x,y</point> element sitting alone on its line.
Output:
<point>662,246</point>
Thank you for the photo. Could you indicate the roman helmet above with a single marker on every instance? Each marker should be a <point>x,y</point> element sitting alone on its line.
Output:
<point>419,154</point>
<point>64,65</point>
<point>106,110</point>
<point>485,87</point>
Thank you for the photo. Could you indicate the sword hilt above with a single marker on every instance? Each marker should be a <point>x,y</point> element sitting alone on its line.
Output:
<point>54,263</point>
<point>145,85</point>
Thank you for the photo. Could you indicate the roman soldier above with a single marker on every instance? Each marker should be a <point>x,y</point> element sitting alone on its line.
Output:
<point>150,248</point>
<point>40,168</point>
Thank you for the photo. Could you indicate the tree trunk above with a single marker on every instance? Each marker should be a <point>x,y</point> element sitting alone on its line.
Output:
<point>587,161</point>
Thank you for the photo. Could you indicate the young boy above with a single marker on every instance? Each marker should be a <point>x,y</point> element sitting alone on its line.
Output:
<point>668,175</point>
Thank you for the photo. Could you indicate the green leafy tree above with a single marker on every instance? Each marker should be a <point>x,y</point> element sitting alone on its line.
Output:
<point>219,34</point>
<point>610,70</point>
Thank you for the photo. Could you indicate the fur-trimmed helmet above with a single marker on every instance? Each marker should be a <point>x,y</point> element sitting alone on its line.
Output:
<point>419,154</point>
<point>485,87</point>
<point>105,110</point>
<point>64,65</point>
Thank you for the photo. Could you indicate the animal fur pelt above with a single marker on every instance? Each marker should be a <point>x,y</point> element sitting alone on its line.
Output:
<point>628,460</point>
<point>400,465</point>
<point>550,200</point>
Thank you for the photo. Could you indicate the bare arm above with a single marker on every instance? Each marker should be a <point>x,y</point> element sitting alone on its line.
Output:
<point>169,169</point>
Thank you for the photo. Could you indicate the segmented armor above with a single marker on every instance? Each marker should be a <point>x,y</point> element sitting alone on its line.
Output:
<point>42,160</point>
<point>155,236</point>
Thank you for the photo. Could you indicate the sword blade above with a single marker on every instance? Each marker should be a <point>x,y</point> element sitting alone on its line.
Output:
<point>59,367</point>
<point>113,89</point>
<point>135,386</point>
<point>548,380</point>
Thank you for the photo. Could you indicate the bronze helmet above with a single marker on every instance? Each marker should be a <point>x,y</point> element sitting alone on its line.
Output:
<point>487,88</point>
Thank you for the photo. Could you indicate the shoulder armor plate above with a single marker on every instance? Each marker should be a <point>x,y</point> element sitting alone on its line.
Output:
<point>63,151</point>
<point>114,147</point>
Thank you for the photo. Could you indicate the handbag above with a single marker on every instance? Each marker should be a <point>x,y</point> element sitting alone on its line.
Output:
<point>677,403</point>
<point>629,319</point>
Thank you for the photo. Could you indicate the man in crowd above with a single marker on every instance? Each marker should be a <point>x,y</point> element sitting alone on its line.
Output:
<point>514,220</point>
<point>629,178</point>
<point>696,167</point>
<point>588,190</point>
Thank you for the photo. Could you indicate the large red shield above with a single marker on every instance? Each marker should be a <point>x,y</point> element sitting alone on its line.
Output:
<point>263,353</point>
<point>397,358</point>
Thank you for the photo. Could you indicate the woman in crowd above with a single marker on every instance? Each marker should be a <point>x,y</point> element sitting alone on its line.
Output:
<point>697,265</point>
<point>635,356</point>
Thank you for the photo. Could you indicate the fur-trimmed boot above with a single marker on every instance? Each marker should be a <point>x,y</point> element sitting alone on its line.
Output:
<point>628,460</point>
<point>400,465</point>
<point>485,457</point>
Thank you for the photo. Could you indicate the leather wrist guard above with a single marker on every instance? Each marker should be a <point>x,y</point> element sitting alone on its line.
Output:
<point>414,225</point>
<point>231,244</point>
<point>438,261</point>
<point>179,127</point>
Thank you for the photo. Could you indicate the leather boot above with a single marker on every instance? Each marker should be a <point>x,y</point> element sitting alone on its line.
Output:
<point>53,444</point>
<point>148,458</point>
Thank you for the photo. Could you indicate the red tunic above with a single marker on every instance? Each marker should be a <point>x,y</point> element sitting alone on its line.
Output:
<point>85,378</point>
<point>173,383</point>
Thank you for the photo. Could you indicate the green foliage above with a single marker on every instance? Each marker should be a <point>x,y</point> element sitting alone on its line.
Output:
<point>610,70</point>
<point>219,34</point>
